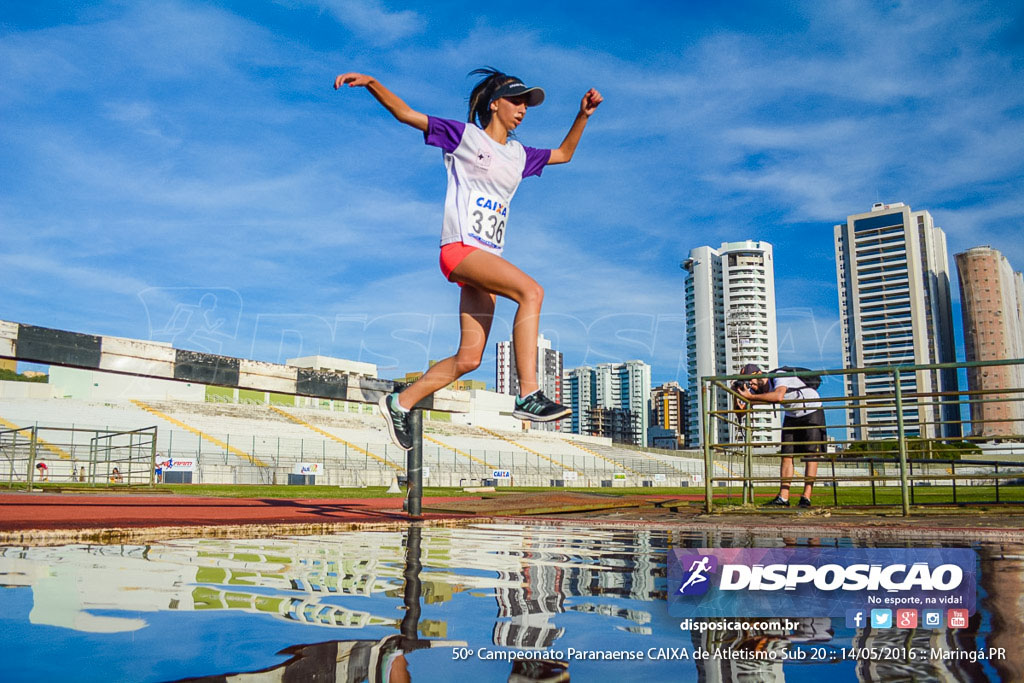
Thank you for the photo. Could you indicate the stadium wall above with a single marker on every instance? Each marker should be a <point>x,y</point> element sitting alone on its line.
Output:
<point>25,390</point>
<point>89,385</point>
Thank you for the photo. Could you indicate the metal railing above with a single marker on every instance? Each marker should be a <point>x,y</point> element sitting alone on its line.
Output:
<point>98,457</point>
<point>908,427</point>
<point>80,454</point>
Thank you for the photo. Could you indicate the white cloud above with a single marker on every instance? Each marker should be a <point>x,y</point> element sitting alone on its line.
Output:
<point>373,22</point>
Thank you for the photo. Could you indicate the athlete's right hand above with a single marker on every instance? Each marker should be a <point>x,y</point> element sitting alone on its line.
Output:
<point>353,80</point>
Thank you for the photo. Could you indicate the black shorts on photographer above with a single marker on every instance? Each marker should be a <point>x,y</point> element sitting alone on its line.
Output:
<point>804,420</point>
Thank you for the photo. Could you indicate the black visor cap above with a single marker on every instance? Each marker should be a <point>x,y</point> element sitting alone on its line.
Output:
<point>516,88</point>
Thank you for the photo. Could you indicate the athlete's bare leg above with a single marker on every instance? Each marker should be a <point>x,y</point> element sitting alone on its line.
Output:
<point>476,311</point>
<point>496,275</point>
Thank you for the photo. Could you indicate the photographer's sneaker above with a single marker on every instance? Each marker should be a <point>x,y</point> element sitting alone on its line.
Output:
<point>539,408</point>
<point>777,502</point>
<point>398,421</point>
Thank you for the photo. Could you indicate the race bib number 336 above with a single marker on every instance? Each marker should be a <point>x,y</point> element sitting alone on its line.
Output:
<point>485,222</point>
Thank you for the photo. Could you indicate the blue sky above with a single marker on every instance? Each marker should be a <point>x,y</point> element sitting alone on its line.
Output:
<point>156,153</point>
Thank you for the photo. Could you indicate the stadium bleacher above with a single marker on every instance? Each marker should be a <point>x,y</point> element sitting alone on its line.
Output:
<point>246,443</point>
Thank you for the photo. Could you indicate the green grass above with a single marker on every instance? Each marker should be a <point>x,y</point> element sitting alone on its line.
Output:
<point>889,495</point>
<point>280,491</point>
<point>724,496</point>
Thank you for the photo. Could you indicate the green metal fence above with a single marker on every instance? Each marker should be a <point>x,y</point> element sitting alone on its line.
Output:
<point>99,457</point>
<point>905,434</point>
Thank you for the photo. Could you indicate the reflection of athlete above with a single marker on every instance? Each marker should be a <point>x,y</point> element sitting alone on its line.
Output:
<point>485,166</point>
<point>697,570</point>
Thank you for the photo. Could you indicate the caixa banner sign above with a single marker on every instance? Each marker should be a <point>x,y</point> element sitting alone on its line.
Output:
<point>817,582</point>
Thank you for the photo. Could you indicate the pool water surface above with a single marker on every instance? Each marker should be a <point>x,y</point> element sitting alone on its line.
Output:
<point>482,602</point>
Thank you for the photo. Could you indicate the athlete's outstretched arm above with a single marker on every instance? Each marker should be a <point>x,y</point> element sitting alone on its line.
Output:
<point>564,153</point>
<point>392,102</point>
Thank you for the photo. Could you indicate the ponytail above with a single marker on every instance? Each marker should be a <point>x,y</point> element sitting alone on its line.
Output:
<point>482,94</point>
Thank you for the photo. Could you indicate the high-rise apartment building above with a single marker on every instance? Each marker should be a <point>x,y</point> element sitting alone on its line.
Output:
<point>610,400</point>
<point>579,387</point>
<point>549,374</point>
<point>992,304</point>
<point>730,321</point>
<point>892,269</point>
<point>669,411</point>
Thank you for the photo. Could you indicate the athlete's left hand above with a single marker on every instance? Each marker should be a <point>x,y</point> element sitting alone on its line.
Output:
<point>590,102</point>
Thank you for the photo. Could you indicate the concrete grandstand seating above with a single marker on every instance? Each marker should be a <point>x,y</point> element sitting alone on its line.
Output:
<point>353,447</point>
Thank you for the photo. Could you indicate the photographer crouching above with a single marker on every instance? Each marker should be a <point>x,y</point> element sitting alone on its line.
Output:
<point>803,427</point>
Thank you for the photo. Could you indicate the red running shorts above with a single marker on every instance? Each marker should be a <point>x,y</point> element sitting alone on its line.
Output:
<point>451,256</point>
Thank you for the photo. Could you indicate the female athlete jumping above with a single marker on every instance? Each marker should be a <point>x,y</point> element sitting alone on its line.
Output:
<point>485,166</point>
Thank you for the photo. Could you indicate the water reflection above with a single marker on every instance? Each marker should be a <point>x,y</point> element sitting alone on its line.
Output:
<point>402,602</point>
<point>756,655</point>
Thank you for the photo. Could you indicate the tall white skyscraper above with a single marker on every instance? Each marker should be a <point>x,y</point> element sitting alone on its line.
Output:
<point>611,399</point>
<point>549,374</point>
<point>892,269</point>
<point>730,321</point>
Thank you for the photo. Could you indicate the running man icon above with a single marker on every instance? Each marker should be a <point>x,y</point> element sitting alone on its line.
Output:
<point>697,570</point>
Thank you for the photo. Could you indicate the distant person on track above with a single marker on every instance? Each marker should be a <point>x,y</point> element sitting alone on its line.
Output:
<point>485,165</point>
<point>43,471</point>
<point>803,422</point>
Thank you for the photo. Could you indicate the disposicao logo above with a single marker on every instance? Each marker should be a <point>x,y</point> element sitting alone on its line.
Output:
<point>818,582</point>
<point>698,567</point>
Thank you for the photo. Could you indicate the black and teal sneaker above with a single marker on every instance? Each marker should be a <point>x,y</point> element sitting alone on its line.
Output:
<point>777,502</point>
<point>398,421</point>
<point>539,408</point>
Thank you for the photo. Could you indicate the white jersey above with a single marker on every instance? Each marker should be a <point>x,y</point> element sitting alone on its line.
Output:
<point>797,390</point>
<point>483,176</point>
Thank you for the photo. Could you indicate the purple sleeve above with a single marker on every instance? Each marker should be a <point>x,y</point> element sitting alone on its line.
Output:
<point>443,133</point>
<point>536,160</point>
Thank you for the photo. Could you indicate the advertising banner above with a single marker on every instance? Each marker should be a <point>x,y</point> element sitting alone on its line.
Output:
<point>176,464</point>
<point>856,583</point>
<point>307,468</point>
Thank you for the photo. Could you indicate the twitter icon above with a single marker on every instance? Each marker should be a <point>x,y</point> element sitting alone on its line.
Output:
<point>881,618</point>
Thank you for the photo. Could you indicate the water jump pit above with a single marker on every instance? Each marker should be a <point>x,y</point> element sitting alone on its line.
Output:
<point>461,595</point>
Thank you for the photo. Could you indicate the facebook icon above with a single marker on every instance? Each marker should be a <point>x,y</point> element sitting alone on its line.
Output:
<point>855,618</point>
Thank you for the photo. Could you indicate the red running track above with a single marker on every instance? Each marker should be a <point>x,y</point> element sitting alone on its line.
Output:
<point>23,511</point>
